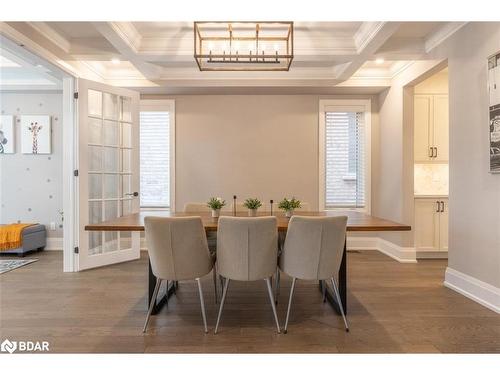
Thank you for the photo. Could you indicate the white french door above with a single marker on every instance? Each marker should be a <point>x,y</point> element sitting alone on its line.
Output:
<point>108,171</point>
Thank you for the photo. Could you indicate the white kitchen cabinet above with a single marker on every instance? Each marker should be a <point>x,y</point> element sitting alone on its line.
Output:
<point>431,126</point>
<point>431,224</point>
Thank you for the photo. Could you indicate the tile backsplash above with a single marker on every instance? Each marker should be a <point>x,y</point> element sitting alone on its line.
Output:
<point>431,179</point>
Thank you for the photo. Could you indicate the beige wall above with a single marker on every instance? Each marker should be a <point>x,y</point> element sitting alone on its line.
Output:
<point>474,197</point>
<point>248,145</point>
<point>474,247</point>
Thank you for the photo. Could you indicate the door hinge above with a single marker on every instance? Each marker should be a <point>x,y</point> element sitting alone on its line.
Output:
<point>75,173</point>
<point>75,95</point>
<point>76,250</point>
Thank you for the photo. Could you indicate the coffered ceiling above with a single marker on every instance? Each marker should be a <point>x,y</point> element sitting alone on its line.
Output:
<point>157,57</point>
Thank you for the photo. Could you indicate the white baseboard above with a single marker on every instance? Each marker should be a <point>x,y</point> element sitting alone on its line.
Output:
<point>477,290</point>
<point>54,243</point>
<point>396,252</point>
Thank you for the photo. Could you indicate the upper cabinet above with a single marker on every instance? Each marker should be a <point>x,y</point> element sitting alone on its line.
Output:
<point>431,128</point>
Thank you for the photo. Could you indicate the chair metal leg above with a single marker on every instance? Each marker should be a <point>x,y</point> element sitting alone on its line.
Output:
<point>202,303</point>
<point>289,304</point>
<point>323,288</point>
<point>152,304</point>
<point>215,284</point>
<point>271,299</point>
<point>337,295</point>
<point>221,279</point>
<point>224,292</point>
<point>277,291</point>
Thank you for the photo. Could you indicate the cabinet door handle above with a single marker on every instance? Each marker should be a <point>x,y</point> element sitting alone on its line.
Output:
<point>436,154</point>
<point>438,206</point>
<point>431,152</point>
<point>442,206</point>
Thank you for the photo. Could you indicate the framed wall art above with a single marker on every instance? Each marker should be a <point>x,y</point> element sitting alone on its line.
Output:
<point>7,143</point>
<point>36,134</point>
<point>494,111</point>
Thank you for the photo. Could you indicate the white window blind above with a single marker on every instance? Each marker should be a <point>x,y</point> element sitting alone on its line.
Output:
<point>345,160</point>
<point>155,158</point>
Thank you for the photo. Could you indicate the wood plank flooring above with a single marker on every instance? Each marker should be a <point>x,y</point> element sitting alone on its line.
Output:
<point>393,308</point>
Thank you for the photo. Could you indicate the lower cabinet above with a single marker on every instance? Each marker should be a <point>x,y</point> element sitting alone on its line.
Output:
<point>431,224</point>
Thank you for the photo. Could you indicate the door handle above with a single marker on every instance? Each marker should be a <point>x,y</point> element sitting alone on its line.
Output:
<point>431,152</point>
<point>438,206</point>
<point>442,206</point>
<point>435,148</point>
<point>134,194</point>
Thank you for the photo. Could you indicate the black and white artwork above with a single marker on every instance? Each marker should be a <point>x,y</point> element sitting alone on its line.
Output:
<point>494,107</point>
<point>6,134</point>
<point>35,134</point>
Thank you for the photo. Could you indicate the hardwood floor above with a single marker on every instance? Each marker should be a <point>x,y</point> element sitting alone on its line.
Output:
<point>393,308</point>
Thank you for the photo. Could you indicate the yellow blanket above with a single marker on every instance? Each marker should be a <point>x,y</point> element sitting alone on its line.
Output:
<point>10,236</point>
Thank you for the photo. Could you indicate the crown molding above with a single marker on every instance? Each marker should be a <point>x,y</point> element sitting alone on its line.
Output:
<point>128,33</point>
<point>366,33</point>
<point>442,34</point>
<point>55,37</point>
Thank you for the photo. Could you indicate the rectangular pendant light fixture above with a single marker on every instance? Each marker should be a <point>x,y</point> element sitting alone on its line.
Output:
<point>243,46</point>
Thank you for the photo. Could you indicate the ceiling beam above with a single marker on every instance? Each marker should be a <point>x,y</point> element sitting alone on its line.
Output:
<point>368,39</point>
<point>126,39</point>
<point>51,34</point>
<point>443,33</point>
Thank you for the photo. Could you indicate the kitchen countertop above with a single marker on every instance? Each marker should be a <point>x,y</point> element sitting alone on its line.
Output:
<point>431,196</point>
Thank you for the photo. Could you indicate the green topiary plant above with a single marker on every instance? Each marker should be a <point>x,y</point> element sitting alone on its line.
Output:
<point>252,203</point>
<point>289,205</point>
<point>216,203</point>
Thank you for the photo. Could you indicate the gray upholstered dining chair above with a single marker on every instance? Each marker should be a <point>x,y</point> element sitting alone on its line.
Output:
<point>313,251</point>
<point>196,208</point>
<point>304,207</point>
<point>247,251</point>
<point>178,251</point>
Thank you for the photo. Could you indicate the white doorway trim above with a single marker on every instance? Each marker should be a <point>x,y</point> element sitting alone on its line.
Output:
<point>70,206</point>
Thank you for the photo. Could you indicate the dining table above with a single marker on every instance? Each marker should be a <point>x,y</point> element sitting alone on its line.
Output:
<point>356,222</point>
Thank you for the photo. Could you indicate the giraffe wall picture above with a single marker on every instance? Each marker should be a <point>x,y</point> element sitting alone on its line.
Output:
<point>35,134</point>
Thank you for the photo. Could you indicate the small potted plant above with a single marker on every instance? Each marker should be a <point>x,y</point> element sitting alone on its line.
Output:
<point>216,204</point>
<point>252,204</point>
<point>289,205</point>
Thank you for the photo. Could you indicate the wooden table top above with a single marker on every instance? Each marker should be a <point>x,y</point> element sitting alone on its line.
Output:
<point>357,221</point>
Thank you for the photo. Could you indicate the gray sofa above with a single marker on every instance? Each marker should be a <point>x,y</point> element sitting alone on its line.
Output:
<point>34,238</point>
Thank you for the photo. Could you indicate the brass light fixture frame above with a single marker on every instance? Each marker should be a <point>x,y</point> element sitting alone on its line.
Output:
<point>235,61</point>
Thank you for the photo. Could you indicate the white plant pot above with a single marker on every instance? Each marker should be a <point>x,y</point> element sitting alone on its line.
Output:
<point>289,213</point>
<point>252,212</point>
<point>215,213</point>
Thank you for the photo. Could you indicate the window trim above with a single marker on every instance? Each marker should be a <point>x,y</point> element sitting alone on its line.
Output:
<point>163,105</point>
<point>347,105</point>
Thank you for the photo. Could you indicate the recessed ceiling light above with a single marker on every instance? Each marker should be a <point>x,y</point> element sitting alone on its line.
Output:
<point>379,60</point>
<point>115,61</point>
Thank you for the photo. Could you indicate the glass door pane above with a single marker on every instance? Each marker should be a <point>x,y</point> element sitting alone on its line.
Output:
<point>108,171</point>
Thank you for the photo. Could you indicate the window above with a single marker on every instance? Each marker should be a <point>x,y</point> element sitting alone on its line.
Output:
<point>344,154</point>
<point>156,129</point>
